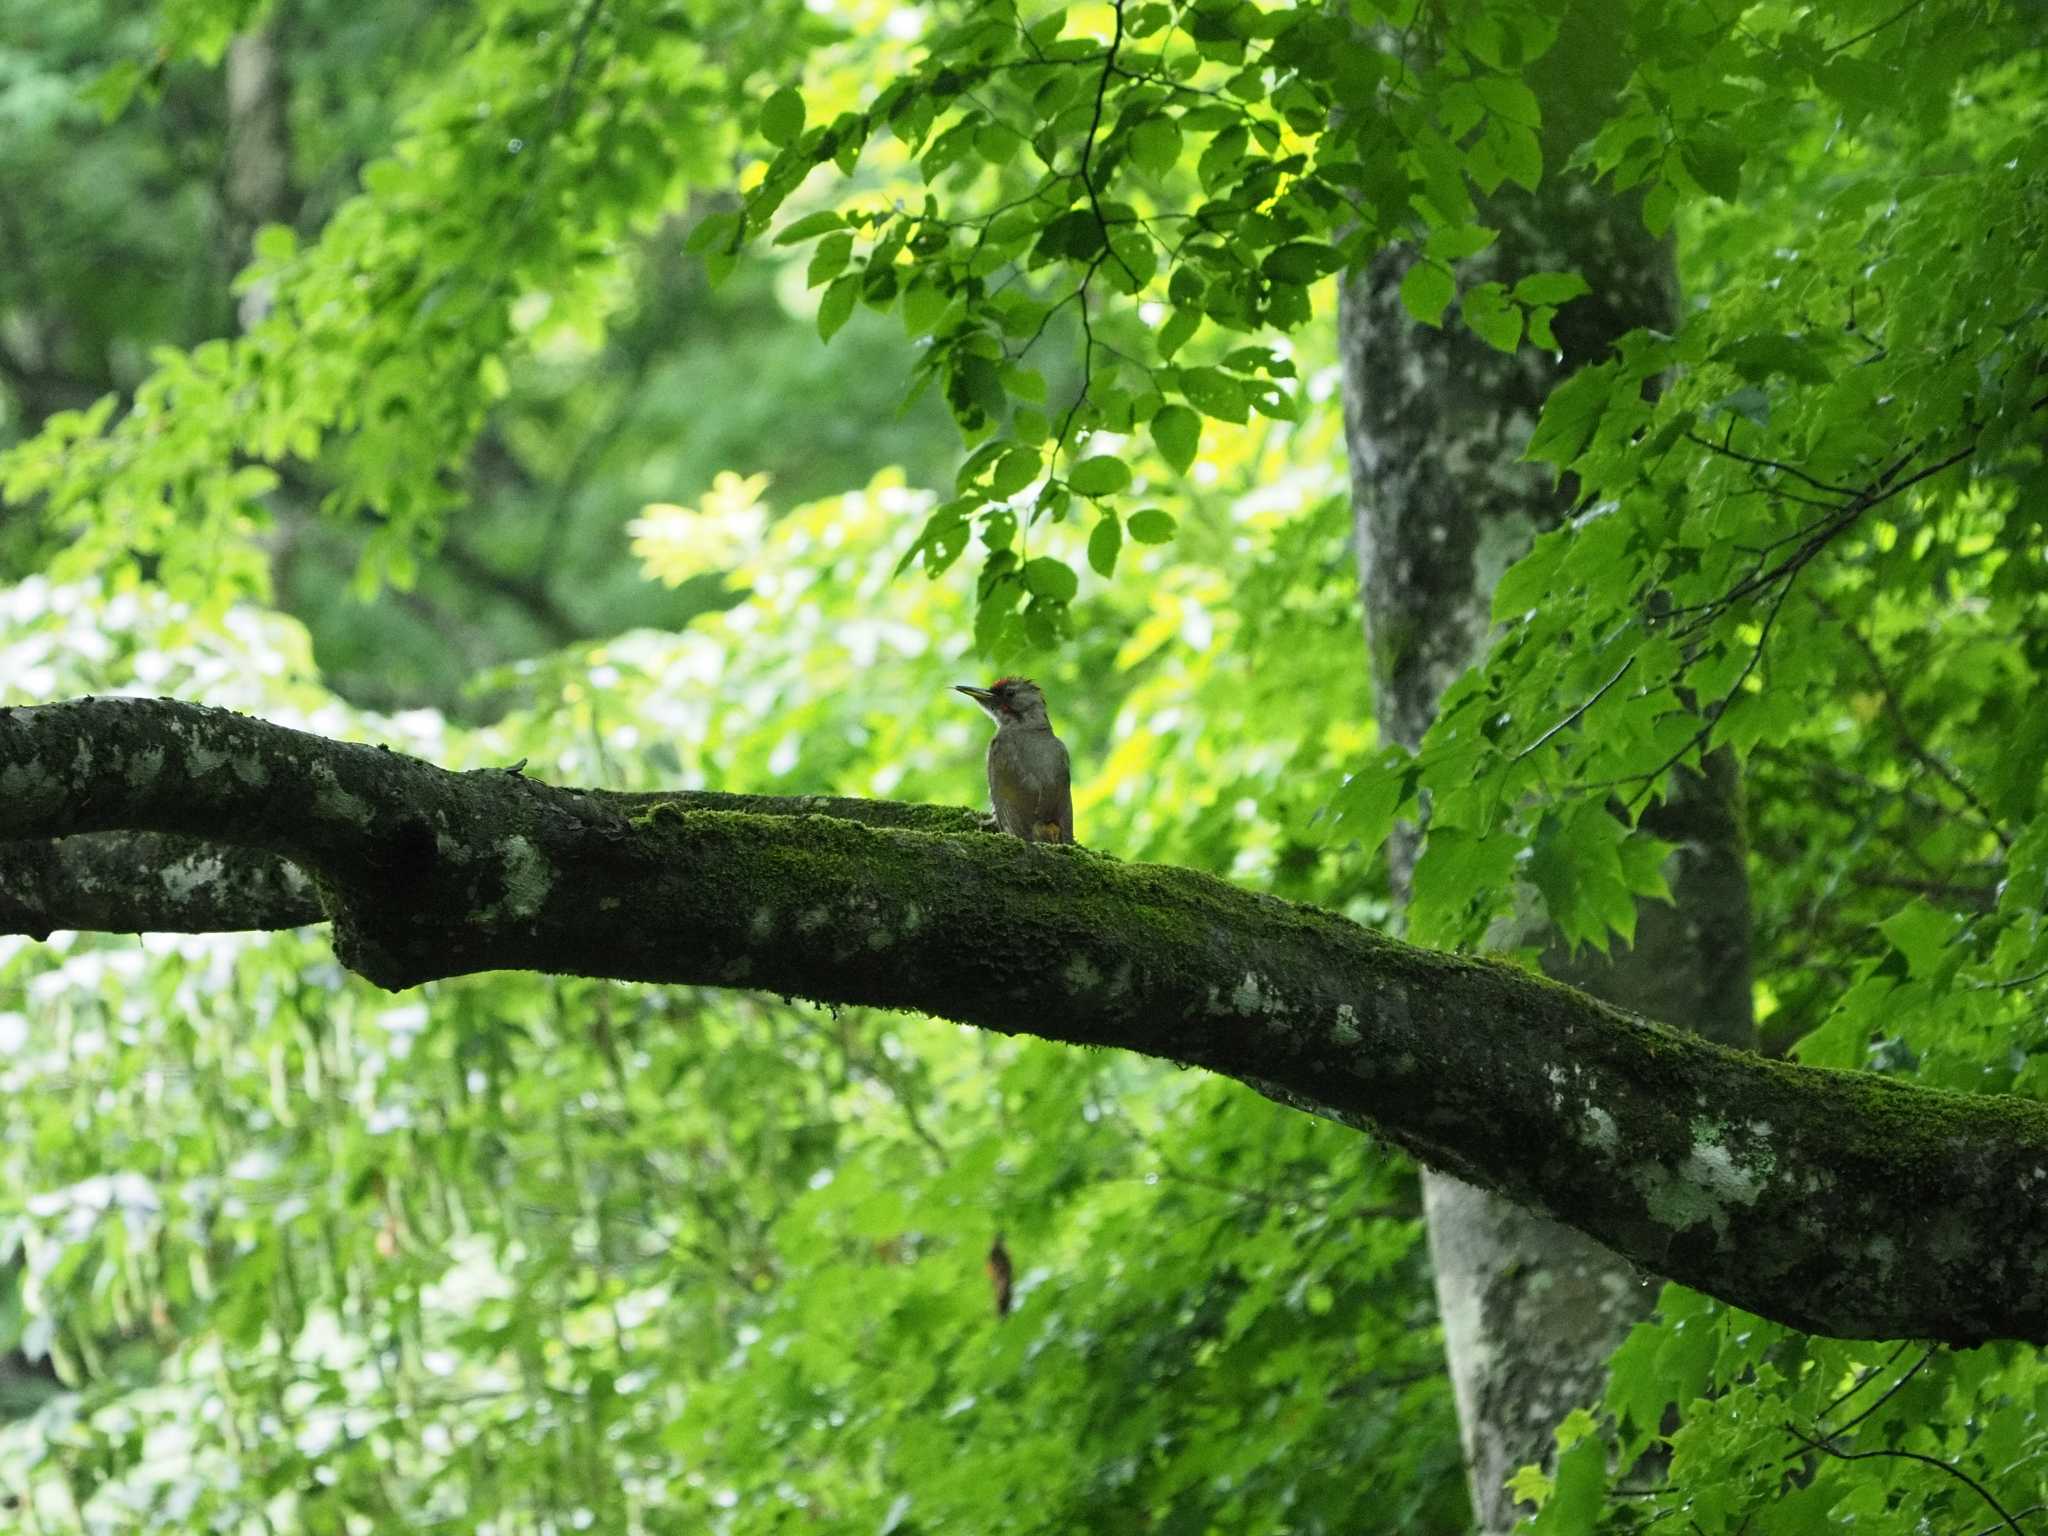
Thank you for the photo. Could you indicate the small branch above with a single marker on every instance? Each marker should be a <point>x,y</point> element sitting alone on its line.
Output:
<point>528,593</point>
<point>1893,1453</point>
<point>95,883</point>
<point>1576,715</point>
<point>1713,713</point>
<point>1871,31</point>
<point>558,107</point>
<point>1782,575</point>
<point>1726,452</point>
<point>1821,767</point>
<point>1094,127</point>
<point>1979,898</point>
<point>1914,749</point>
<point>1059,443</point>
<point>1818,535</point>
<point>2018,1514</point>
<point>1882,1398</point>
<point>2006,986</point>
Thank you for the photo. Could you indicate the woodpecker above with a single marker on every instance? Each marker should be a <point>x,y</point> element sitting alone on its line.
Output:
<point>1029,785</point>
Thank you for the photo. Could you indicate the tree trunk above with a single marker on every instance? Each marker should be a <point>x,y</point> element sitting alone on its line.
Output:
<point>257,180</point>
<point>1435,423</point>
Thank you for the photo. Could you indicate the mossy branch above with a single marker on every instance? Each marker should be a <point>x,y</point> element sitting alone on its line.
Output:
<point>1841,1203</point>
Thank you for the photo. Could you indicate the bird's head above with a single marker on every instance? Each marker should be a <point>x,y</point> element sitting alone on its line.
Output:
<point>1009,701</point>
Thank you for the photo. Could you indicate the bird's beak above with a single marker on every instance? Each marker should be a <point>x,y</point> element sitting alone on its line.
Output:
<point>980,696</point>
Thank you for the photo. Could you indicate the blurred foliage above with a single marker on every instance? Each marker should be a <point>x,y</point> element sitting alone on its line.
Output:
<point>520,1253</point>
<point>517,1248</point>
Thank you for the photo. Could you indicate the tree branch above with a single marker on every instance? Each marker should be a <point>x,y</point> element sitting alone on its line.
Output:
<point>1841,1203</point>
<point>147,882</point>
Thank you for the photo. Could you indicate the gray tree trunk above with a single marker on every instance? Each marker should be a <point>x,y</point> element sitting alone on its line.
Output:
<point>257,180</point>
<point>1435,423</point>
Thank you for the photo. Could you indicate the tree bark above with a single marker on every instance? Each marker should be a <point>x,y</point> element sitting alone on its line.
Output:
<point>1435,423</point>
<point>1840,1203</point>
<point>257,179</point>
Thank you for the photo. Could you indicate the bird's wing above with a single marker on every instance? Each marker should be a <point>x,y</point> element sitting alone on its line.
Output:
<point>1063,796</point>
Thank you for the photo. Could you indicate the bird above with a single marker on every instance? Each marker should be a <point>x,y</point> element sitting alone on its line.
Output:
<point>1030,785</point>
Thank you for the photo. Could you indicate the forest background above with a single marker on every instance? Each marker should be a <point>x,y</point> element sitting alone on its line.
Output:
<point>449,378</point>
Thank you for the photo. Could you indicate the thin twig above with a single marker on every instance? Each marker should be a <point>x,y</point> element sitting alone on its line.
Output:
<point>2005,986</point>
<point>1863,1379</point>
<point>1700,737</point>
<point>1883,1397</point>
<point>1576,715</point>
<point>2031,1509</point>
<point>1088,144</point>
<point>1869,32</point>
<point>558,108</point>
<point>1782,576</point>
<point>1950,1468</point>
<point>1059,443</point>
<point>1919,753</point>
<point>1782,468</point>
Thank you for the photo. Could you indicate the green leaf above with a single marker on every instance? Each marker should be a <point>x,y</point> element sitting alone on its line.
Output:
<point>1155,145</point>
<point>1578,1492</point>
<point>1103,475</point>
<point>1748,402</point>
<point>1456,869</point>
<point>1713,157</point>
<point>1757,357</point>
<point>1526,583</point>
<point>1489,315</point>
<point>925,303</point>
<point>1104,544</point>
<point>943,538</point>
<point>810,226</point>
<point>1920,933</point>
<point>1373,796</point>
<point>1180,325</point>
<point>2013,786</point>
<point>837,305</point>
<point>1151,526</point>
<point>1518,152</point>
<point>1134,259</point>
<point>1685,1354</point>
<point>1301,261</point>
<point>1550,288</point>
<point>1570,416</point>
<point>782,116</point>
<point>1215,393</point>
<point>1178,433</point>
<point>1575,861</point>
<point>1506,96</point>
<point>1454,242</point>
<point>1531,1485</point>
<point>829,259</point>
<point>1636,1398</point>
<point>714,229</point>
<point>1049,578</point>
<point>1427,291</point>
<point>1659,204</point>
<point>1076,235</point>
<point>1016,469</point>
